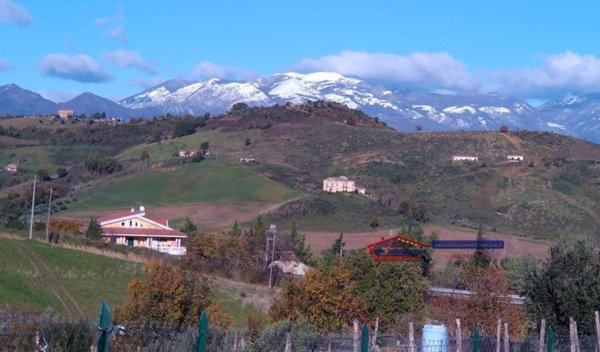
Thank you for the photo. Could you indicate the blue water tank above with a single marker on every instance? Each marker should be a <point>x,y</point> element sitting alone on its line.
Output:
<point>435,338</point>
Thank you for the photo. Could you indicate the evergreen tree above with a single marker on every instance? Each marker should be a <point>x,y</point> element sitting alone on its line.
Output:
<point>94,229</point>
<point>300,249</point>
<point>236,230</point>
<point>482,256</point>
<point>338,245</point>
<point>188,226</point>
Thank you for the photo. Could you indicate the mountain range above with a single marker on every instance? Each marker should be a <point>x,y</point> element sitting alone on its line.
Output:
<point>572,115</point>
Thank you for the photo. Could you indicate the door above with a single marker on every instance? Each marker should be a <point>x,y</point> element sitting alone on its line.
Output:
<point>130,241</point>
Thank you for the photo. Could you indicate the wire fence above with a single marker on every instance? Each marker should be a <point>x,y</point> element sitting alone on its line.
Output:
<point>48,333</point>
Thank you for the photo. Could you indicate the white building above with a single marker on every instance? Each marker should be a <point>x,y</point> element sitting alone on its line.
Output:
<point>464,158</point>
<point>65,113</point>
<point>338,184</point>
<point>514,158</point>
<point>187,153</point>
<point>11,168</point>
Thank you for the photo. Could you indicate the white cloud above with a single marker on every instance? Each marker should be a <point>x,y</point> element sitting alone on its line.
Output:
<point>126,59</point>
<point>5,65</point>
<point>101,21</point>
<point>118,33</point>
<point>13,12</point>
<point>207,69</point>
<point>80,68</point>
<point>417,70</point>
<point>560,73</point>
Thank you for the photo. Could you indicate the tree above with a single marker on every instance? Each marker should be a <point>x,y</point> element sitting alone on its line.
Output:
<point>374,223</point>
<point>236,229</point>
<point>239,106</point>
<point>42,174</point>
<point>419,128</point>
<point>503,129</point>
<point>94,230</point>
<point>300,249</point>
<point>188,226</point>
<point>325,297</point>
<point>566,285</point>
<point>183,127</point>
<point>481,257</point>
<point>247,142</point>
<point>489,301</point>
<point>204,147</point>
<point>168,294</point>
<point>145,156</point>
<point>62,172</point>
<point>391,290</point>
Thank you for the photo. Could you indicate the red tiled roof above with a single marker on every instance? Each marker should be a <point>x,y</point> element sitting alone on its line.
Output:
<point>143,232</point>
<point>161,221</point>
<point>118,216</point>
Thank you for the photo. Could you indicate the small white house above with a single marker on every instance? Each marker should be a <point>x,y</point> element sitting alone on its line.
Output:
<point>464,158</point>
<point>187,153</point>
<point>65,113</point>
<point>338,184</point>
<point>247,161</point>
<point>361,190</point>
<point>514,158</point>
<point>11,168</point>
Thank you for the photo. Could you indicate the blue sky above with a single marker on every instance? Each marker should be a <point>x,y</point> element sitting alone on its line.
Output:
<point>118,48</point>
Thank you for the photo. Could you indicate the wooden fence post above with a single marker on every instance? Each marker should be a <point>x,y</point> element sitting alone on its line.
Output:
<point>105,327</point>
<point>542,335</point>
<point>458,336</point>
<point>506,338</point>
<point>288,342</point>
<point>573,335</point>
<point>355,336</point>
<point>411,337</point>
<point>597,319</point>
<point>364,339</point>
<point>202,332</point>
<point>374,342</point>
<point>328,343</point>
<point>498,332</point>
<point>235,339</point>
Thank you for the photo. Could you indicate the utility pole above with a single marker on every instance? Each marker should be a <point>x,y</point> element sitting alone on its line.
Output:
<point>32,208</point>
<point>48,218</point>
<point>272,230</point>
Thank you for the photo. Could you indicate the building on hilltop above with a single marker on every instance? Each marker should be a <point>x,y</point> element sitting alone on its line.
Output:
<point>464,158</point>
<point>338,184</point>
<point>65,113</point>
<point>514,158</point>
<point>11,168</point>
<point>187,153</point>
<point>134,229</point>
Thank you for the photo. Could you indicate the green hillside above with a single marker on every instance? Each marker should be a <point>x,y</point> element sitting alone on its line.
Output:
<point>208,181</point>
<point>37,276</point>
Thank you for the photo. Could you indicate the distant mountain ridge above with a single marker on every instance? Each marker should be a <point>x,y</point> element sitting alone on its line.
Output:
<point>577,116</point>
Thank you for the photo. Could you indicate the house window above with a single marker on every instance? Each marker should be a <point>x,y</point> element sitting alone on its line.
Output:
<point>130,223</point>
<point>123,223</point>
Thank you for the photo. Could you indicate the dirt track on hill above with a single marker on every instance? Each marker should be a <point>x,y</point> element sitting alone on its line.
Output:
<point>514,245</point>
<point>206,216</point>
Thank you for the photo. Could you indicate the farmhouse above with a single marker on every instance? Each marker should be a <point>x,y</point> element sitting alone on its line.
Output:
<point>11,168</point>
<point>187,153</point>
<point>514,158</point>
<point>65,113</point>
<point>338,184</point>
<point>247,161</point>
<point>134,229</point>
<point>464,158</point>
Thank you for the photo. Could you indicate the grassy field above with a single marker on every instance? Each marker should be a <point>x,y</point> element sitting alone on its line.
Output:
<point>37,276</point>
<point>209,181</point>
<point>32,158</point>
<point>218,142</point>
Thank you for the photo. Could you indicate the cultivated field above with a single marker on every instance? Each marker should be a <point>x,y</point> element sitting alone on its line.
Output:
<point>514,245</point>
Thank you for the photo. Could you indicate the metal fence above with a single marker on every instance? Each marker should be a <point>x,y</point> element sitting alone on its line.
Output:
<point>45,332</point>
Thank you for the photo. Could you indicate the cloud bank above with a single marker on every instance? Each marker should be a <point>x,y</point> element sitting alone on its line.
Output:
<point>13,12</point>
<point>130,59</point>
<point>81,68</point>
<point>417,70</point>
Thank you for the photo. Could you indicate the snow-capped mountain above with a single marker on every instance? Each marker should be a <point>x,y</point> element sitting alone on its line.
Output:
<point>579,115</point>
<point>401,110</point>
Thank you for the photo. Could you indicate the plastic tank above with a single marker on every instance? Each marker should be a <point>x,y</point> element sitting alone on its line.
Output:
<point>435,338</point>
